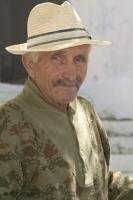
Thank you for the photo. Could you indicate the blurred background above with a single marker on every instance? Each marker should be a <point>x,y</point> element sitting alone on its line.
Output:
<point>109,81</point>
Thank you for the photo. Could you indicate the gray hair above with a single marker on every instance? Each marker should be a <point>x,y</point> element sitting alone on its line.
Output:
<point>34,56</point>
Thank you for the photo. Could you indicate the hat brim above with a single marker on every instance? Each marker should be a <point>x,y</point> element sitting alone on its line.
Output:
<point>21,49</point>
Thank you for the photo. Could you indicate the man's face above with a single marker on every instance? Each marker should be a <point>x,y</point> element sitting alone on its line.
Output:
<point>59,74</point>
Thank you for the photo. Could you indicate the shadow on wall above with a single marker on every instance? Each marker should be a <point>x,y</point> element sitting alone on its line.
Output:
<point>13,17</point>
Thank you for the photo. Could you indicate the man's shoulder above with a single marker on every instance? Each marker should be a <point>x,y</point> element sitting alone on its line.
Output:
<point>10,109</point>
<point>10,105</point>
<point>88,108</point>
<point>13,121</point>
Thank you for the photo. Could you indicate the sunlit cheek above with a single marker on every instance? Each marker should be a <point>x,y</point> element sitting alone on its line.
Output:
<point>83,74</point>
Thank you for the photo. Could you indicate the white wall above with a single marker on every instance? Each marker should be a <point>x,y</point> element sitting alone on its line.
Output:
<point>111,68</point>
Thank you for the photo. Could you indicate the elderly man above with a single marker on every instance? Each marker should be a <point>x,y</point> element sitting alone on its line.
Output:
<point>52,144</point>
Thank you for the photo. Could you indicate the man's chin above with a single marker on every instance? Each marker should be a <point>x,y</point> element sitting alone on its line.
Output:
<point>68,99</point>
<point>70,90</point>
<point>65,95</point>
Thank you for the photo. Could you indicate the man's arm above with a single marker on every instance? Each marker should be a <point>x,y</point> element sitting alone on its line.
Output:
<point>11,175</point>
<point>120,187</point>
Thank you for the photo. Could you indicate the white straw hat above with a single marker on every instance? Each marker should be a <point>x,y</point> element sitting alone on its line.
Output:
<point>53,27</point>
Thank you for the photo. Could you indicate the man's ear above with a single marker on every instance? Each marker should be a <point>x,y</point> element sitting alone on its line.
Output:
<point>29,65</point>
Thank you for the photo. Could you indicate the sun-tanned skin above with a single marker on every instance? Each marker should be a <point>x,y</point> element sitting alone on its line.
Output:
<point>59,74</point>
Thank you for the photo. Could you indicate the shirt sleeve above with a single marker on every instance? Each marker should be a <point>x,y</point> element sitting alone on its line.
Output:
<point>120,187</point>
<point>11,175</point>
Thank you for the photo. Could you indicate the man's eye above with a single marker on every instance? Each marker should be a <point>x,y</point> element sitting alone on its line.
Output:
<point>80,59</point>
<point>58,59</point>
<point>55,57</point>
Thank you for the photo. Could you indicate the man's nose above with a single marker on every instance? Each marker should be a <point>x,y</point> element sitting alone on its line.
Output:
<point>70,70</point>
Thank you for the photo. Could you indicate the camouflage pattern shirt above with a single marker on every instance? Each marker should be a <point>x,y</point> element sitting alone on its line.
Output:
<point>48,154</point>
